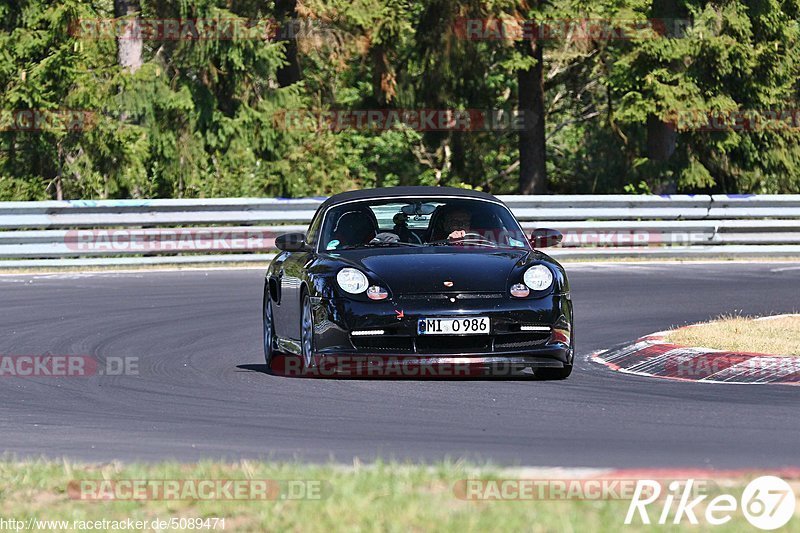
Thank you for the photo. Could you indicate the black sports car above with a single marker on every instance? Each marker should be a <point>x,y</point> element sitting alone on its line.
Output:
<point>435,277</point>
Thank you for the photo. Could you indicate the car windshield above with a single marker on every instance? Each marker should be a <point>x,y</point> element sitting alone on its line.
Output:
<point>421,222</point>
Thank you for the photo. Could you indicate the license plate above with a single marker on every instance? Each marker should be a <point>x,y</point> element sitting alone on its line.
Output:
<point>476,325</point>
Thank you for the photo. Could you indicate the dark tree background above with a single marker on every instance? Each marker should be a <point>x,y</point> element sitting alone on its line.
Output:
<point>600,111</point>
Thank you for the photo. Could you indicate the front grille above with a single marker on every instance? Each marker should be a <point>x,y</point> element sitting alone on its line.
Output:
<point>454,344</point>
<point>384,344</point>
<point>479,296</point>
<point>417,297</point>
<point>451,344</point>
<point>517,341</point>
<point>436,296</point>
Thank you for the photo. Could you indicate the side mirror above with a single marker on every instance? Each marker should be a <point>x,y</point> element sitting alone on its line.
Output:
<point>291,242</point>
<point>544,238</point>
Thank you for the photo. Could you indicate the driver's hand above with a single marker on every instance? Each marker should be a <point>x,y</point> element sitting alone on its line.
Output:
<point>458,234</point>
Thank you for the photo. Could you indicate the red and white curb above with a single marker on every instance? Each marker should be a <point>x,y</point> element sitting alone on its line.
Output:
<point>652,356</point>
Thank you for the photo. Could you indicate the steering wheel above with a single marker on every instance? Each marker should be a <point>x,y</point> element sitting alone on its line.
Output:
<point>474,235</point>
<point>474,238</point>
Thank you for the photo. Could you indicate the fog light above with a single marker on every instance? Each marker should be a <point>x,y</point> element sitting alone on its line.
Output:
<point>377,293</point>
<point>519,290</point>
<point>534,328</point>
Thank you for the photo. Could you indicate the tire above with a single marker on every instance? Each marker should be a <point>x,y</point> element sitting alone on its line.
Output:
<point>268,328</point>
<point>558,373</point>
<point>306,331</point>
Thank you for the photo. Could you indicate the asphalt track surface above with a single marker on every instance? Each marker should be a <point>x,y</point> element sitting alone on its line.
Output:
<point>200,392</point>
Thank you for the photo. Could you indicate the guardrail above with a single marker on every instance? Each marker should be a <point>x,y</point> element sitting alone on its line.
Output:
<point>84,232</point>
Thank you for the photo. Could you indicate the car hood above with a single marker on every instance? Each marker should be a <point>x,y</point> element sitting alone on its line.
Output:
<point>424,270</point>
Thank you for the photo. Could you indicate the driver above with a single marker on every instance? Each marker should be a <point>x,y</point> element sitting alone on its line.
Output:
<point>456,223</point>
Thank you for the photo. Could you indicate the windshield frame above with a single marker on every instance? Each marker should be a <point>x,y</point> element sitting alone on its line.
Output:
<point>318,245</point>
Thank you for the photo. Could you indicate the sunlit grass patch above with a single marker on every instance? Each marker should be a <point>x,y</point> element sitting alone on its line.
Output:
<point>378,497</point>
<point>778,336</point>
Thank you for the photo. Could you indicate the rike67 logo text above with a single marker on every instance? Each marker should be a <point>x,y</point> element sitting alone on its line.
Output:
<point>767,502</point>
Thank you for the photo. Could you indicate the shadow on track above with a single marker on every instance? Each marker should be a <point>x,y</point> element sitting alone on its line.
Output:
<point>399,372</point>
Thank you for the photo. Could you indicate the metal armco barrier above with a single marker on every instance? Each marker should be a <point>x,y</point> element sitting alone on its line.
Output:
<point>136,232</point>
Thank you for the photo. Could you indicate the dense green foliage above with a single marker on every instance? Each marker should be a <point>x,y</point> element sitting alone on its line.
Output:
<point>208,117</point>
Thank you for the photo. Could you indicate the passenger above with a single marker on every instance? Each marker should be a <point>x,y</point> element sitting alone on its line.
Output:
<point>354,228</point>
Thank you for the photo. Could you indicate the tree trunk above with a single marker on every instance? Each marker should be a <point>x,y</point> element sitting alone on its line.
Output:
<point>286,14</point>
<point>460,159</point>
<point>129,45</point>
<point>661,136</point>
<point>380,68</point>
<point>57,181</point>
<point>532,153</point>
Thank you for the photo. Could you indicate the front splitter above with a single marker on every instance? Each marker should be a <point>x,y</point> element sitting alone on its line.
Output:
<point>411,366</point>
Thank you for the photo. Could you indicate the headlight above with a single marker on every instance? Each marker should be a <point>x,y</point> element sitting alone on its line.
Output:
<point>538,277</point>
<point>352,280</point>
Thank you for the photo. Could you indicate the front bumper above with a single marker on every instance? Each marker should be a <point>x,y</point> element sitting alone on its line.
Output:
<point>411,366</point>
<point>548,345</point>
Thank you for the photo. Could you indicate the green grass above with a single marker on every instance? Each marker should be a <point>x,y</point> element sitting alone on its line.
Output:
<point>774,336</point>
<point>380,497</point>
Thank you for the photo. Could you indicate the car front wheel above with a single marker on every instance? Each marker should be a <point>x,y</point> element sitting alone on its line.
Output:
<point>269,329</point>
<point>307,331</point>
<point>559,373</point>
